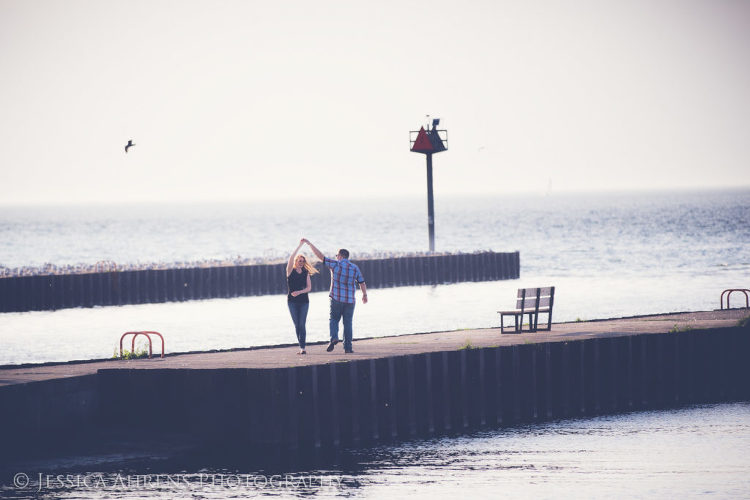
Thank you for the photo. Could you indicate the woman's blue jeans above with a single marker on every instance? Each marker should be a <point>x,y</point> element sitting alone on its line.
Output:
<point>298,310</point>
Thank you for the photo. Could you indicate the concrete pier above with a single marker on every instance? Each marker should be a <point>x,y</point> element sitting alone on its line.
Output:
<point>390,389</point>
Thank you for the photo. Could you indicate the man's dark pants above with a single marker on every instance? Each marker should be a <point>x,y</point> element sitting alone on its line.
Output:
<point>346,311</point>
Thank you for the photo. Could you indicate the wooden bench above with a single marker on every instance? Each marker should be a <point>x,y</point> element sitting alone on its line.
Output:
<point>531,302</point>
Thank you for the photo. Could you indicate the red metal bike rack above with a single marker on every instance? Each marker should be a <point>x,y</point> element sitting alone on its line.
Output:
<point>729,291</point>
<point>148,336</point>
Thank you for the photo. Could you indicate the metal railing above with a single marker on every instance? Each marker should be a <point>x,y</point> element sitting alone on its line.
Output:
<point>729,291</point>
<point>148,336</point>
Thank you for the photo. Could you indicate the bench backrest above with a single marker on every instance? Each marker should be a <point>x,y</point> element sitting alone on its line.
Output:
<point>532,299</point>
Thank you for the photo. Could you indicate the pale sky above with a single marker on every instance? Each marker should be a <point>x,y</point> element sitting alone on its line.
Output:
<point>234,100</point>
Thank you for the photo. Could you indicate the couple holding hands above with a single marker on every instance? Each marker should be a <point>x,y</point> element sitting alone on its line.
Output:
<point>345,276</point>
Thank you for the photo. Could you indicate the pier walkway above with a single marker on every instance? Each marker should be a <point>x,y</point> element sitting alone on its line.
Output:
<point>382,347</point>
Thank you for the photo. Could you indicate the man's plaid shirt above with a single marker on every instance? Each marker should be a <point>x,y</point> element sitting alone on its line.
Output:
<point>344,277</point>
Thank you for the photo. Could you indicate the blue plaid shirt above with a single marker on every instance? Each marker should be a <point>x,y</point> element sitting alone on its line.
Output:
<point>344,276</point>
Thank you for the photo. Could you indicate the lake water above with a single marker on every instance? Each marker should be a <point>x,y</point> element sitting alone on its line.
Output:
<point>693,452</point>
<point>613,255</point>
<point>610,255</point>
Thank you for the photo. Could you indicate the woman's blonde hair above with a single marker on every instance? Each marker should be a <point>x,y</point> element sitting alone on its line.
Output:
<point>309,267</point>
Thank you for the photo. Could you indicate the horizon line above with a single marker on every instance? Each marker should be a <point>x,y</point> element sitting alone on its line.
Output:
<point>352,197</point>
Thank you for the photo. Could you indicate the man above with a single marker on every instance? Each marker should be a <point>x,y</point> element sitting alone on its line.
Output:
<point>344,276</point>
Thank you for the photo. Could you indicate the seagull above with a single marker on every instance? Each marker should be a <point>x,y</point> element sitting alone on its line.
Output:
<point>128,145</point>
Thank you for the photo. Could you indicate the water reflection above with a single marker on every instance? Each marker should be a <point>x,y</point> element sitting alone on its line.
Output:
<point>692,452</point>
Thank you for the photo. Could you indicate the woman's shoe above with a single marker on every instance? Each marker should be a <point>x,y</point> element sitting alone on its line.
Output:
<point>302,351</point>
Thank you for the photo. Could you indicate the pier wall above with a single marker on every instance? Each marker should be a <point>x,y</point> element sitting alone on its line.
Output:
<point>370,401</point>
<point>398,398</point>
<point>38,416</point>
<point>51,292</point>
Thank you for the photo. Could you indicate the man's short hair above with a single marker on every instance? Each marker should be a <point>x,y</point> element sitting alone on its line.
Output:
<point>344,253</point>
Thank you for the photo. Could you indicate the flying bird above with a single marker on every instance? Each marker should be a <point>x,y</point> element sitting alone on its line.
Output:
<point>129,145</point>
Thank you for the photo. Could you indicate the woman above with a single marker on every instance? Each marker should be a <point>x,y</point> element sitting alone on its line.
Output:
<point>298,272</point>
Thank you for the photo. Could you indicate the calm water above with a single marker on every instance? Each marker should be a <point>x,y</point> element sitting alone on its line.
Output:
<point>609,256</point>
<point>695,452</point>
<point>558,234</point>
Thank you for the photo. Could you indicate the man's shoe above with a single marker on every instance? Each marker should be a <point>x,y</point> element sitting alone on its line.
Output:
<point>331,344</point>
<point>349,351</point>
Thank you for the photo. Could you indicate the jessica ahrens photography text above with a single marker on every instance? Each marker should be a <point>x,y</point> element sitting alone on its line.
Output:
<point>132,482</point>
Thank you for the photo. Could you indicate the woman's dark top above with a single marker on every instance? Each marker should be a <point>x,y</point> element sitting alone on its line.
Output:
<point>297,281</point>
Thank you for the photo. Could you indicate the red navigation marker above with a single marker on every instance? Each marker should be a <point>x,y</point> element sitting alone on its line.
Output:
<point>422,144</point>
<point>428,142</point>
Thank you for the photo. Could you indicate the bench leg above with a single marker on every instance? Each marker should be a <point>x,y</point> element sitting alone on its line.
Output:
<point>502,323</point>
<point>517,322</point>
<point>548,327</point>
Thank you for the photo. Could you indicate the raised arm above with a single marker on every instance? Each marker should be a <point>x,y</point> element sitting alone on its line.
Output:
<point>314,249</point>
<point>290,264</point>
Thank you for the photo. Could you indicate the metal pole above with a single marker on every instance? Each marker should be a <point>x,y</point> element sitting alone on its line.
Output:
<point>430,204</point>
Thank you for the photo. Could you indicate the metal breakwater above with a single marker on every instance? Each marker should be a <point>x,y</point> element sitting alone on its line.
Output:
<point>51,292</point>
<point>359,403</point>
<point>399,398</point>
